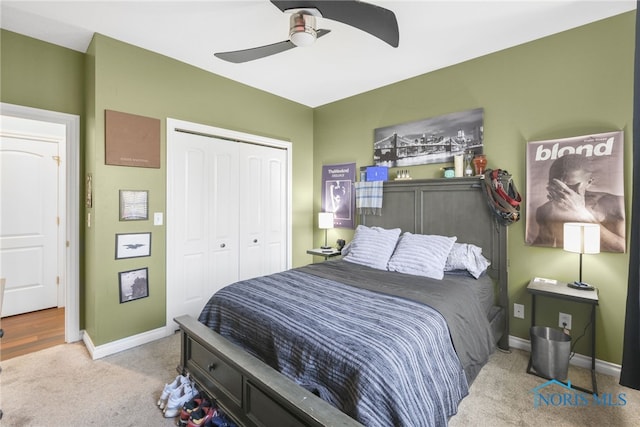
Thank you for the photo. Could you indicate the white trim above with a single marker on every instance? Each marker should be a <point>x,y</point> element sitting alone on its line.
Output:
<point>181,125</point>
<point>122,344</point>
<point>72,207</point>
<point>579,360</point>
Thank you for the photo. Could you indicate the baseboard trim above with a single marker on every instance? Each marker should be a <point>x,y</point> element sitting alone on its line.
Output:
<point>122,344</point>
<point>579,360</point>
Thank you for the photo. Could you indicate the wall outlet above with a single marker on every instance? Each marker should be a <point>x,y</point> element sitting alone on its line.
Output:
<point>564,320</point>
<point>518,311</point>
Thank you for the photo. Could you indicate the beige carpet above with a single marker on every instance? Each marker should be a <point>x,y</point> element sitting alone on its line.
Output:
<point>502,395</point>
<point>62,386</point>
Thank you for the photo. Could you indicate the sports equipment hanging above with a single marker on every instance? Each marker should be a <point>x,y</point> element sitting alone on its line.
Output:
<point>503,197</point>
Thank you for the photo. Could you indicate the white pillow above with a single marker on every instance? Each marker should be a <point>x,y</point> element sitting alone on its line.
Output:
<point>372,246</point>
<point>345,250</point>
<point>421,255</point>
<point>465,256</point>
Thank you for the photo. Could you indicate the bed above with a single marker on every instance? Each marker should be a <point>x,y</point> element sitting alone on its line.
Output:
<point>386,348</point>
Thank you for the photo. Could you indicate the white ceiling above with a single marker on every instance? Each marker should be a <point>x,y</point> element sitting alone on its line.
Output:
<point>346,62</point>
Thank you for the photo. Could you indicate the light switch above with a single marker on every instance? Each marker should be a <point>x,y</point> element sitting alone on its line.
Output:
<point>157,218</point>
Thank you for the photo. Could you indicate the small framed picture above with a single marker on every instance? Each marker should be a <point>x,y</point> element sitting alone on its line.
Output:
<point>134,205</point>
<point>134,284</point>
<point>133,245</point>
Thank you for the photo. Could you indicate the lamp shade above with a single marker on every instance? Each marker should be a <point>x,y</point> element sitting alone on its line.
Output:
<point>582,238</point>
<point>325,220</point>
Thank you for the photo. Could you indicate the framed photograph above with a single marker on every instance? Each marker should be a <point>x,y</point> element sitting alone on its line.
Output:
<point>134,205</point>
<point>133,245</point>
<point>433,140</point>
<point>134,284</point>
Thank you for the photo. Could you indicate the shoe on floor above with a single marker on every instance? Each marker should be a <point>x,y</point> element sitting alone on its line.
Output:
<point>201,416</point>
<point>220,420</point>
<point>178,398</point>
<point>188,408</point>
<point>169,388</point>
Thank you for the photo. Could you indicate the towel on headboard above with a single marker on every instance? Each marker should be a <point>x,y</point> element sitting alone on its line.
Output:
<point>369,197</point>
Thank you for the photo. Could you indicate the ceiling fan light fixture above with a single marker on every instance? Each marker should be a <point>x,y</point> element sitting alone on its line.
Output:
<point>302,30</point>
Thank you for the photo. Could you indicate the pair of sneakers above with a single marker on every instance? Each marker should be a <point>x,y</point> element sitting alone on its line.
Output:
<point>169,388</point>
<point>175,395</point>
<point>197,412</point>
<point>202,412</point>
<point>220,420</point>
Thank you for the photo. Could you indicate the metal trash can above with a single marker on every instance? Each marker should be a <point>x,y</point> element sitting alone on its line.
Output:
<point>550,349</point>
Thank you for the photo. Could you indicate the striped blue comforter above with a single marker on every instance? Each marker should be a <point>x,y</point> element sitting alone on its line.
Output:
<point>383,360</point>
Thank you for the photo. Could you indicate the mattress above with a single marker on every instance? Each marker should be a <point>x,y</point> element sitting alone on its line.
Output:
<point>365,340</point>
<point>462,300</point>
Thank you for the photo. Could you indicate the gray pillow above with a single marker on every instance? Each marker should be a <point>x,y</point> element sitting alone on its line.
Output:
<point>465,256</point>
<point>372,246</point>
<point>421,255</point>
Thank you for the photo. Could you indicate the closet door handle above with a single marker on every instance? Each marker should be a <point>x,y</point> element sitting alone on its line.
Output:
<point>211,367</point>
<point>222,245</point>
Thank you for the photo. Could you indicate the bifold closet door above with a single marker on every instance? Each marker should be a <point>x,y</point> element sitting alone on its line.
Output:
<point>204,222</point>
<point>263,210</point>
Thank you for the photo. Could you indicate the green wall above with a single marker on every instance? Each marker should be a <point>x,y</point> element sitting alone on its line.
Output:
<point>568,84</point>
<point>40,75</point>
<point>129,79</point>
<point>117,76</point>
<point>572,83</point>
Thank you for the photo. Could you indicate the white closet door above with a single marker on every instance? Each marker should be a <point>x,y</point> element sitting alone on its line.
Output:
<point>202,222</point>
<point>263,210</point>
<point>228,209</point>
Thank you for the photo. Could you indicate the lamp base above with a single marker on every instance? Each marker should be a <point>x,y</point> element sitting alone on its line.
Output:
<point>581,285</point>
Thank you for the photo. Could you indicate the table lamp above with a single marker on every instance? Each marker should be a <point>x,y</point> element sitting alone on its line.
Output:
<point>582,238</point>
<point>325,221</point>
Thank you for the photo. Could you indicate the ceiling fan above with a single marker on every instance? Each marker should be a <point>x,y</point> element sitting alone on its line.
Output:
<point>375,20</point>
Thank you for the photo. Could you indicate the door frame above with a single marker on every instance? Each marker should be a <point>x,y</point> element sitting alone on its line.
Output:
<point>175,125</point>
<point>72,206</point>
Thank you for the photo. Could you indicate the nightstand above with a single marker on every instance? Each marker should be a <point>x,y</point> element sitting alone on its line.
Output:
<point>555,289</point>
<point>326,253</point>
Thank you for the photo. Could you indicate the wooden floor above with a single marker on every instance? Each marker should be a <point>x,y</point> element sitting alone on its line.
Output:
<point>26,333</point>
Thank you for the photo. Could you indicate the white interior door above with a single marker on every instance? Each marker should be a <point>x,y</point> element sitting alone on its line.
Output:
<point>31,238</point>
<point>202,221</point>
<point>263,210</point>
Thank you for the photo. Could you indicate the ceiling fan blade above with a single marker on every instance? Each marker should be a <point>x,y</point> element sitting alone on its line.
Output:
<point>375,20</point>
<point>246,55</point>
<point>239,56</point>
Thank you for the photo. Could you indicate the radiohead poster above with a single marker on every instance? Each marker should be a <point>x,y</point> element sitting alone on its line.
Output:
<point>578,179</point>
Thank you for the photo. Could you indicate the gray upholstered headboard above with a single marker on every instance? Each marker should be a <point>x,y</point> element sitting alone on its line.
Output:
<point>448,207</point>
